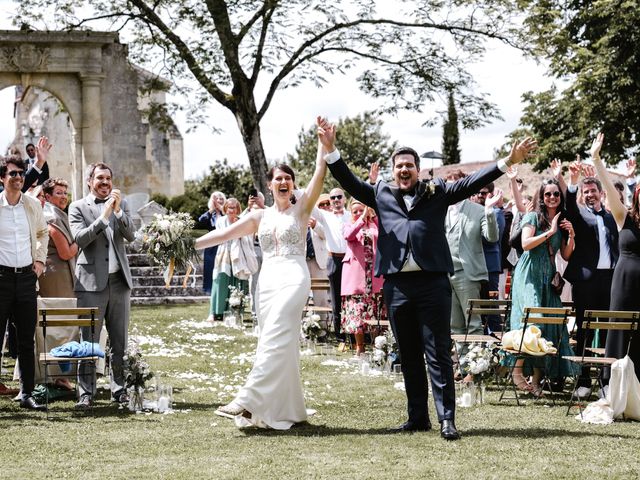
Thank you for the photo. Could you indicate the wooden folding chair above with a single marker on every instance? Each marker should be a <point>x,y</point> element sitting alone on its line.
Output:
<point>598,363</point>
<point>535,316</point>
<point>317,284</point>
<point>66,317</point>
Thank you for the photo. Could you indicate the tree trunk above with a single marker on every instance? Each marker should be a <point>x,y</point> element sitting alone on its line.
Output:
<point>250,131</point>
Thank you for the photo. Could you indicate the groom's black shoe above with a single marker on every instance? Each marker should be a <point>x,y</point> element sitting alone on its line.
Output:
<point>409,427</point>
<point>448,430</point>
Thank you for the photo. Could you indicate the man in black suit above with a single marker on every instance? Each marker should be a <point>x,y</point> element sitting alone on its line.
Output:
<point>37,169</point>
<point>590,268</point>
<point>413,255</point>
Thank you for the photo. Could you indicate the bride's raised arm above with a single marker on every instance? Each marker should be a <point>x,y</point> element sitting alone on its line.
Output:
<point>314,188</point>
<point>247,225</point>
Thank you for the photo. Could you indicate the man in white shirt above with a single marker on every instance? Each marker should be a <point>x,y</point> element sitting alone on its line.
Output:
<point>337,246</point>
<point>23,252</point>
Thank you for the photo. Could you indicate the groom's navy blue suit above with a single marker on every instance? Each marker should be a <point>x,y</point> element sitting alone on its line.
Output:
<point>418,302</point>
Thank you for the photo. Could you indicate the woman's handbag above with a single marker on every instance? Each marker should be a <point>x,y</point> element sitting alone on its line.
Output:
<point>557,282</point>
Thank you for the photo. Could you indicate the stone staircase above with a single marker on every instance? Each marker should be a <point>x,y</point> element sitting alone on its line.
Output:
<point>149,288</point>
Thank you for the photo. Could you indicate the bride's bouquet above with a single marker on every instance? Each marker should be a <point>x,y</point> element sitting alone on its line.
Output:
<point>167,241</point>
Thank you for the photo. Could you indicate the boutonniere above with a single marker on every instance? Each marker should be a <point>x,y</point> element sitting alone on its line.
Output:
<point>430,188</point>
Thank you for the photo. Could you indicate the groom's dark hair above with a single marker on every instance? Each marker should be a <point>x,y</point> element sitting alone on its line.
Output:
<point>405,151</point>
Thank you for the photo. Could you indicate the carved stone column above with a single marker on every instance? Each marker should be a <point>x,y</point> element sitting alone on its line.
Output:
<point>91,127</point>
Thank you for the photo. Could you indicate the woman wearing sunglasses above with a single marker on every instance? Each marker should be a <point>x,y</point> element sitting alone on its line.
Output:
<point>544,232</point>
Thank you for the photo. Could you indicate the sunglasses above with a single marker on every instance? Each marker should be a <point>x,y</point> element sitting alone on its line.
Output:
<point>555,194</point>
<point>336,197</point>
<point>16,173</point>
<point>324,204</point>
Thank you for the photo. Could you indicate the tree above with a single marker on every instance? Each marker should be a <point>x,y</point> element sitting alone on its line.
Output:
<point>360,140</point>
<point>450,135</point>
<point>592,46</point>
<point>232,180</point>
<point>241,53</point>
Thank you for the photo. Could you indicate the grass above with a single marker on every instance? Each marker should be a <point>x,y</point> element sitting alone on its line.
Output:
<point>346,438</point>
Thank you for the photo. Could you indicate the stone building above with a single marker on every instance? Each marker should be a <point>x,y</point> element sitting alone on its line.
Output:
<point>80,90</point>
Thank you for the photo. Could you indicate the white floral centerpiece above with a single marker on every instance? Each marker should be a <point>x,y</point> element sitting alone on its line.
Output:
<point>167,241</point>
<point>312,330</point>
<point>480,361</point>
<point>136,374</point>
<point>385,350</point>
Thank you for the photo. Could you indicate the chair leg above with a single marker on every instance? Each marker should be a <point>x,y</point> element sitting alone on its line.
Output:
<point>510,383</point>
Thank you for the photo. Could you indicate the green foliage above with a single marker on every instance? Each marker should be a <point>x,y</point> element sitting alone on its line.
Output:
<point>361,142</point>
<point>592,46</point>
<point>232,180</point>
<point>450,135</point>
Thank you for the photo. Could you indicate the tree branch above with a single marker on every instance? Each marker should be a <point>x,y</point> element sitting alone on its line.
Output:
<point>185,53</point>
<point>294,62</point>
<point>263,36</point>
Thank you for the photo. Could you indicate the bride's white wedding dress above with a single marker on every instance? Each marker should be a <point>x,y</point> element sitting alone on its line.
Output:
<point>273,391</point>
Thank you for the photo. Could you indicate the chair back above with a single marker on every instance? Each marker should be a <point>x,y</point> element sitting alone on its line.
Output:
<point>495,307</point>
<point>544,316</point>
<point>592,321</point>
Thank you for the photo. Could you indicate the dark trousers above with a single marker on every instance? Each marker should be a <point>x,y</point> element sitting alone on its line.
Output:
<point>419,308</point>
<point>18,303</point>
<point>334,272</point>
<point>592,294</point>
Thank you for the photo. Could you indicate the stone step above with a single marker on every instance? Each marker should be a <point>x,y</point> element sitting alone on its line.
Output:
<point>138,260</point>
<point>158,280</point>
<point>172,291</point>
<point>148,271</point>
<point>168,300</point>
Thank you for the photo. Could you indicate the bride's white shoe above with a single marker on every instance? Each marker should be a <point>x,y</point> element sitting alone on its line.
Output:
<point>231,410</point>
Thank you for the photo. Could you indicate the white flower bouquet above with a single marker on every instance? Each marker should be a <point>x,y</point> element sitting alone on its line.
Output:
<point>311,328</point>
<point>237,298</point>
<point>167,241</point>
<point>136,371</point>
<point>480,360</point>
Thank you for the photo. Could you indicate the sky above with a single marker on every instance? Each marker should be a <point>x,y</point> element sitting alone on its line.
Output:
<point>504,74</point>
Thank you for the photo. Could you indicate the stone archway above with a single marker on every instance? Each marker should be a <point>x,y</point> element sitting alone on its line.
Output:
<point>91,76</point>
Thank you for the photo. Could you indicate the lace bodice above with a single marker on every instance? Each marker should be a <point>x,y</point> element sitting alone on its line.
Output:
<point>280,233</point>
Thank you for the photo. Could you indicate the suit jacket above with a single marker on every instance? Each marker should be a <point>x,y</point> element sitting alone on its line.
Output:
<point>90,233</point>
<point>421,226</point>
<point>475,227</point>
<point>319,242</point>
<point>493,250</point>
<point>354,272</point>
<point>31,175</point>
<point>584,259</point>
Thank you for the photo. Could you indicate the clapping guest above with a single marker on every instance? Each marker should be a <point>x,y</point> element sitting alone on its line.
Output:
<point>544,232</point>
<point>208,221</point>
<point>223,274</point>
<point>361,290</point>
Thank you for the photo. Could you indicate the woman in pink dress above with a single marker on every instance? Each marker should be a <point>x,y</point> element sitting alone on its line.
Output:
<point>361,291</point>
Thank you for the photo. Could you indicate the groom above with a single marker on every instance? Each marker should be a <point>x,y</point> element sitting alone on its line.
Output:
<point>413,255</point>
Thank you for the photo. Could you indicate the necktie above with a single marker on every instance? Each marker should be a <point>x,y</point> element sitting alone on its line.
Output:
<point>311,253</point>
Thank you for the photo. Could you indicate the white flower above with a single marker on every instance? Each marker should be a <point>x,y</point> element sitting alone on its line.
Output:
<point>380,342</point>
<point>164,224</point>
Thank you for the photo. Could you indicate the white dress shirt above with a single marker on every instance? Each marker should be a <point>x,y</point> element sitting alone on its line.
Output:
<point>15,236</point>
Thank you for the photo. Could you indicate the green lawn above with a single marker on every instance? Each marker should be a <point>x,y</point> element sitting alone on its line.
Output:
<point>346,438</point>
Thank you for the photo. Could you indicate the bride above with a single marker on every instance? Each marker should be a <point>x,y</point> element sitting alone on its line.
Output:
<point>272,396</point>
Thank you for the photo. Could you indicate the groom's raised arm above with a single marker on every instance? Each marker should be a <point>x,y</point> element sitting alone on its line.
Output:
<point>355,186</point>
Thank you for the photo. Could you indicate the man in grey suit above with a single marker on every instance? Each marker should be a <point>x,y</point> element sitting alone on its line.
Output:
<point>100,222</point>
<point>466,224</point>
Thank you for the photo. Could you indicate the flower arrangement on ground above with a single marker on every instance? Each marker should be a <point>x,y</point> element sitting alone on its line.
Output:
<point>480,361</point>
<point>167,241</point>
<point>237,298</point>
<point>312,330</point>
<point>385,350</point>
<point>136,370</point>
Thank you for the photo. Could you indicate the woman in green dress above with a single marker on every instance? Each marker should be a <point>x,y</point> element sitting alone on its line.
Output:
<point>544,232</point>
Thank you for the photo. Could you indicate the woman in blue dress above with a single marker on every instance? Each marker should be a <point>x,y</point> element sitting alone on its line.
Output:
<point>208,221</point>
<point>544,232</point>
